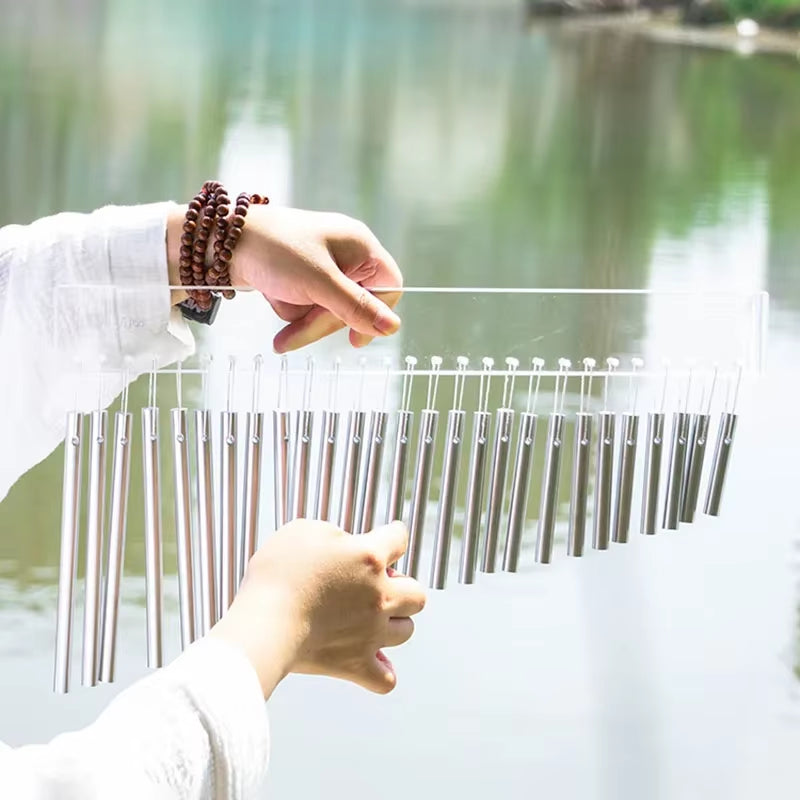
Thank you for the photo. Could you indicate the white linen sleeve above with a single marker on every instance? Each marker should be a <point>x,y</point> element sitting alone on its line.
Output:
<point>80,294</point>
<point>196,730</point>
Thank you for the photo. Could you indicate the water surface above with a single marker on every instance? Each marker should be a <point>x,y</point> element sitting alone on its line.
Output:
<point>482,151</point>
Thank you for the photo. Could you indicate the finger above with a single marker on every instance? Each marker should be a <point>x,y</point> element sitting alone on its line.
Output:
<point>359,309</point>
<point>391,299</point>
<point>389,541</point>
<point>378,674</point>
<point>315,325</point>
<point>398,632</point>
<point>406,597</point>
<point>288,312</point>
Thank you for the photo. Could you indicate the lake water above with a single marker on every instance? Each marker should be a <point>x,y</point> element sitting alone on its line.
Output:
<point>484,152</point>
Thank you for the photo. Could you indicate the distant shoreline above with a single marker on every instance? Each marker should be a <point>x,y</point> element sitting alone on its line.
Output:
<point>666,26</point>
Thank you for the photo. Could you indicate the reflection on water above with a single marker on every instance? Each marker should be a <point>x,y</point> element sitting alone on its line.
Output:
<point>482,153</point>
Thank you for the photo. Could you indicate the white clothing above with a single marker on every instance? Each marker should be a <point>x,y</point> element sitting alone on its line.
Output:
<point>198,728</point>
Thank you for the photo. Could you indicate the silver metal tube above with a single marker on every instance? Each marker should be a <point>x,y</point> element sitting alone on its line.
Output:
<point>302,462</point>
<point>227,516</point>
<point>352,461</point>
<point>94,547</point>
<point>251,491</point>
<point>281,423</point>
<point>397,489</point>
<point>719,466</point>
<point>481,423</point>
<point>695,456</point>
<point>70,516</point>
<point>372,471</point>
<point>605,472</point>
<point>117,519</point>
<point>504,422</point>
<point>625,475</point>
<point>549,504</point>
<point>677,466</point>
<point>327,460</point>
<point>444,522</point>
<point>206,573</point>
<point>183,525</point>
<point>152,536</point>
<point>582,456</point>
<point>520,489</point>
<point>419,496</point>
<point>654,445</point>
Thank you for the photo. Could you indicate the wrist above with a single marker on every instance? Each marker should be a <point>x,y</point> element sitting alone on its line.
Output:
<point>175,220</point>
<point>260,624</point>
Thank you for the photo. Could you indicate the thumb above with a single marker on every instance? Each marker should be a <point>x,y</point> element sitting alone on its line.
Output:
<point>355,306</point>
<point>390,542</point>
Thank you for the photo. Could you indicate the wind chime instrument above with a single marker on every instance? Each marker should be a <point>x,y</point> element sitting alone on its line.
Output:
<point>453,446</point>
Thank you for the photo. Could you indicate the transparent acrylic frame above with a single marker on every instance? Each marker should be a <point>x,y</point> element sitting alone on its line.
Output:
<point>696,349</point>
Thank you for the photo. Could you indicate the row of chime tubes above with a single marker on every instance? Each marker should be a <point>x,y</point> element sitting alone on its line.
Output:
<point>213,545</point>
<point>491,457</point>
<point>212,557</point>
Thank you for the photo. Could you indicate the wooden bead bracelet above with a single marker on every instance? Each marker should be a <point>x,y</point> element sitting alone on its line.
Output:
<point>207,215</point>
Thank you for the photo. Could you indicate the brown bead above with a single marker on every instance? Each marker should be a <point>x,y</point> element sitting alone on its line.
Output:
<point>222,210</point>
<point>234,234</point>
<point>187,239</point>
<point>185,263</point>
<point>195,205</point>
<point>225,254</point>
<point>229,294</point>
<point>240,210</point>
<point>203,234</point>
<point>255,198</point>
<point>237,221</point>
<point>191,215</point>
<point>189,227</point>
<point>186,251</point>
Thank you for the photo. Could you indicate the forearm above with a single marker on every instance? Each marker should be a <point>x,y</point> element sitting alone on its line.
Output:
<point>175,220</point>
<point>196,729</point>
<point>79,293</point>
